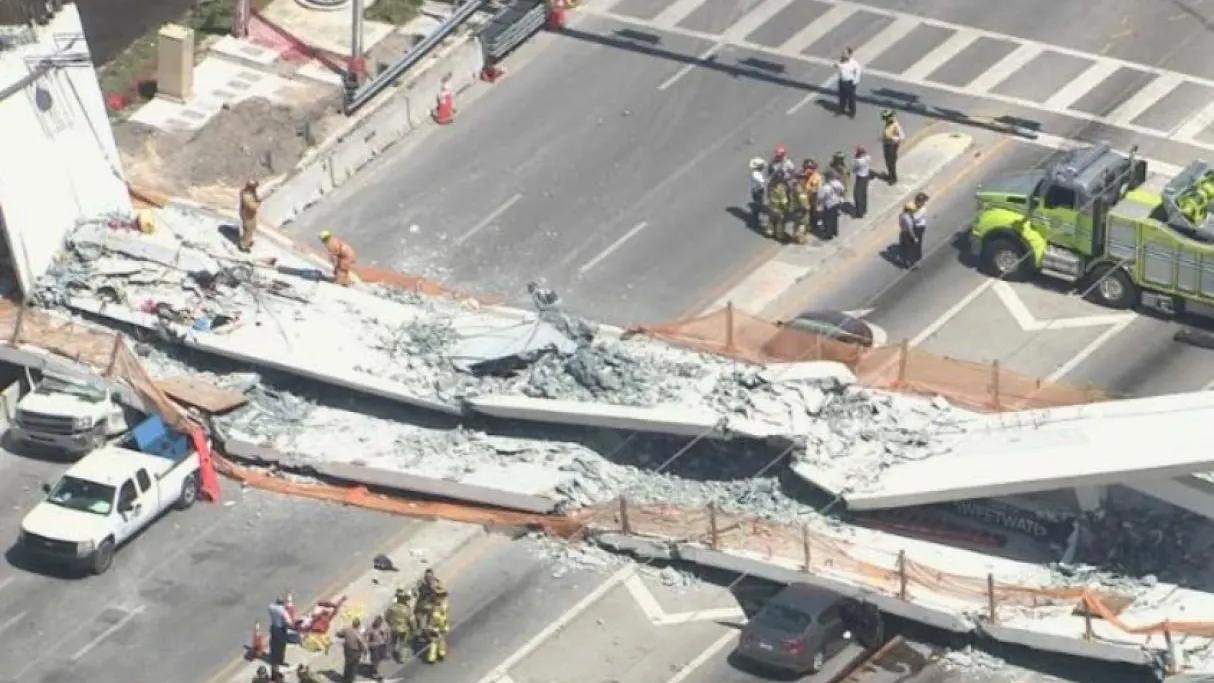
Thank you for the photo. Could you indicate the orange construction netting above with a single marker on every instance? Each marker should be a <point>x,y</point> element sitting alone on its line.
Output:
<point>978,386</point>
<point>889,573</point>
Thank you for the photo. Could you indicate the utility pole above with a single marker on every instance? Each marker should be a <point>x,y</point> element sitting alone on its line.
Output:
<point>358,65</point>
<point>241,10</point>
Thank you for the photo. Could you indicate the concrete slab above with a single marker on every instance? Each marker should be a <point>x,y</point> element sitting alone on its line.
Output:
<point>663,420</point>
<point>1043,450</point>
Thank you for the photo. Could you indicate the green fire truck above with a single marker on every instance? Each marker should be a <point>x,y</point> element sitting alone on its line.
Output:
<point>1087,217</point>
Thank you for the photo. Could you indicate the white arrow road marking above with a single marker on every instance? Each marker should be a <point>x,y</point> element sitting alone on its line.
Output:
<point>652,609</point>
<point>860,312</point>
<point>1029,323</point>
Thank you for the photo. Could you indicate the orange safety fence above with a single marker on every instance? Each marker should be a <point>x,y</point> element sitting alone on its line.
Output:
<point>891,573</point>
<point>359,496</point>
<point>979,386</point>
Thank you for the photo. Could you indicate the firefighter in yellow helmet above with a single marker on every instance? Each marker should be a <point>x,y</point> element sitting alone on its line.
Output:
<point>435,635</point>
<point>341,255</point>
<point>401,622</point>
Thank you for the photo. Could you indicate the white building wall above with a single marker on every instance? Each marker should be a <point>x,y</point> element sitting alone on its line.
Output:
<point>59,164</point>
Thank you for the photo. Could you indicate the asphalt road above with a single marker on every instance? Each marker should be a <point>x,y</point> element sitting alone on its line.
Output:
<point>604,164</point>
<point>518,616</point>
<point>181,599</point>
<point>948,308</point>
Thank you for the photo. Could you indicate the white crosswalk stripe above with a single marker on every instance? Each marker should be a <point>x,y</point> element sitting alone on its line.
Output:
<point>1130,110</point>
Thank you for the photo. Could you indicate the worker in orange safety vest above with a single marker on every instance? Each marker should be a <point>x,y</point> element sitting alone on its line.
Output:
<point>342,256</point>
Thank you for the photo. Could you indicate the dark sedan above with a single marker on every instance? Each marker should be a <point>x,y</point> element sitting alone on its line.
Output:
<point>803,626</point>
<point>837,325</point>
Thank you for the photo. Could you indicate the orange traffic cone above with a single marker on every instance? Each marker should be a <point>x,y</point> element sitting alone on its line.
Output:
<point>290,607</point>
<point>444,112</point>
<point>257,645</point>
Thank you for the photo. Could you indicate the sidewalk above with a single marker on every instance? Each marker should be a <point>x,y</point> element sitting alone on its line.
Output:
<point>765,292</point>
<point>441,545</point>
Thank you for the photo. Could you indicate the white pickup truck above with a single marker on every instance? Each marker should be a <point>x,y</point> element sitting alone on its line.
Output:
<point>109,496</point>
<point>68,415</point>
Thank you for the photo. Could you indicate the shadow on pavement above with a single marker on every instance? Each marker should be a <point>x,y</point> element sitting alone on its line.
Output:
<point>649,44</point>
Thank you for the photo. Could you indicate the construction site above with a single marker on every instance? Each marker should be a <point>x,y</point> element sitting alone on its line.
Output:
<point>956,495</point>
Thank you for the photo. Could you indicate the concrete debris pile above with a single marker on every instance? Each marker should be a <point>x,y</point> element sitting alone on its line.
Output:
<point>970,660</point>
<point>307,423</point>
<point>860,433</point>
<point>569,558</point>
<point>188,282</point>
<point>1141,541</point>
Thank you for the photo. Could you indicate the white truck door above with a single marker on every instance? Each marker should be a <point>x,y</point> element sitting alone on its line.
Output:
<point>133,513</point>
<point>151,493</point>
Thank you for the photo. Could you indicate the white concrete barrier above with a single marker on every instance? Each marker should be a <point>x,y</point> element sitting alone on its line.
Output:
<point>404,110</point>
<point>633,418</point>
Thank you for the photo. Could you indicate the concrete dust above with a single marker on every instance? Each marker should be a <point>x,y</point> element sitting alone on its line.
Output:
<point>255,138</point>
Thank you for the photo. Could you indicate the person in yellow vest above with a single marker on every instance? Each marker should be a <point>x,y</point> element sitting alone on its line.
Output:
<point>777,207</point>
<point>401,624</point>
<point>813,183</point>
<point>250,205</point>
<point>805,205</point>
<point>840,169</point>
<point>436,635</point>
<point>892,136</point>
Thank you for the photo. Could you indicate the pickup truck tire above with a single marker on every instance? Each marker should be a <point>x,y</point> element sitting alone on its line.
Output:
<point>1005,257</point>
<point>103,557</point>
<point>1111,286</point>
<point>189,493</point>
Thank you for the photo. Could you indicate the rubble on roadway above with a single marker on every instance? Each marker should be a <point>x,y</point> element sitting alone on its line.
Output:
<point>189,283</point>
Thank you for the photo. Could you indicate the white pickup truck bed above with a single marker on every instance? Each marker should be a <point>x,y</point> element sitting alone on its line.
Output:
<point>110,495</point>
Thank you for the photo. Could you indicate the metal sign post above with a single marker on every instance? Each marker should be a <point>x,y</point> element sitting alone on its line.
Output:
<point>241,11</point>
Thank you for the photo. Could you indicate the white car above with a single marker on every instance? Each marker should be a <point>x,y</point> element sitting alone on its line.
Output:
<point>109,496</point>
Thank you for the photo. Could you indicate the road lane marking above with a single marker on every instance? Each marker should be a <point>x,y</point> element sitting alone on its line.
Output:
<point>117,626</point>
<point>4,583</point>
<point>817,29</point>
<point>1003,69</point>
<point>1030,323</point>
<point>1071,93</point>
<point>686,68</point>
<point>1087,351</point>
<point>936,325</point>
<point>700,659</point>
<point>12,621</point>
<point>1195,125</point>
<point>940,55</point>
<point>500,672</point>
<point>611,249</point>
<point>1145,98</point>
<point>676,12</point>
<point>489,219</point>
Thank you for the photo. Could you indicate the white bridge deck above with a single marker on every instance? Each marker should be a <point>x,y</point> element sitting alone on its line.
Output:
<point>1143,443</point>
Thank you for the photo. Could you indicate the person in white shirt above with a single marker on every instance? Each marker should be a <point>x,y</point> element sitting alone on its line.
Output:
<point>830,199</point>
<point>849,71</point>
<point>758,190</point>
<point>862,169</point>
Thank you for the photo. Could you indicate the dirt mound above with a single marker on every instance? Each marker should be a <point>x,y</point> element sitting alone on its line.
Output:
<point>253,139</point>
